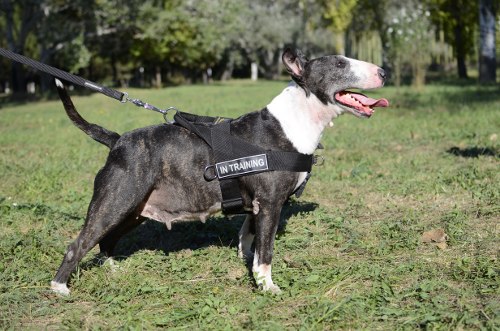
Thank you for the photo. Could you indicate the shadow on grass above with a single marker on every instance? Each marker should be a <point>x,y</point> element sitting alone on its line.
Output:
<point>216,231</point>
<point>473,152</point>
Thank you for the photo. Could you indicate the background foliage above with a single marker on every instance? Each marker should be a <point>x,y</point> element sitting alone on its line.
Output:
<point>156,42</point>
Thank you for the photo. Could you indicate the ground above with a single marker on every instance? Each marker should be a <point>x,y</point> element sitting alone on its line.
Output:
<point>349,255</point>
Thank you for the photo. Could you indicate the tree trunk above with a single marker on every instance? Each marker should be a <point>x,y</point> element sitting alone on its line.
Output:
<point>459,43</point>
<point>340,42</point>
<point>157,77</point>
<point>45,80</point>
<point>460,49</point>
<point>114,70</point>
<point>254,71</point>
<point>487,51</point>
<point>29,16</point>
<point>228,71</point>
<point>18,78</point>
<point>17,71</point>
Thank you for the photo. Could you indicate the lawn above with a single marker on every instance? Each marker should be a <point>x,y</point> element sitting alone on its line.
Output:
<point>349,256</point>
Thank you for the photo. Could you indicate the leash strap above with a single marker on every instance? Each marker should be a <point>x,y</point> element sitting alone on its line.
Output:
<point>120,96</point>
<point>77,80</point>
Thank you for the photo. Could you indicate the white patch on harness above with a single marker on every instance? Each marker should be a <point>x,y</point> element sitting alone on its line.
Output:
<point>244,165</point>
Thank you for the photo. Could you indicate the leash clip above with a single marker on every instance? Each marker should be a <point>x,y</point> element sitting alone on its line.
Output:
<point>124,98</point>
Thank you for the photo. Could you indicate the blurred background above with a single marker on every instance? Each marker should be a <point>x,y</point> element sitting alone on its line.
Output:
<point>155,43</point>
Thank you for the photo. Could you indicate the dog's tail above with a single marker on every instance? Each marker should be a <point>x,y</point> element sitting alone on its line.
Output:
<point>96,132</point>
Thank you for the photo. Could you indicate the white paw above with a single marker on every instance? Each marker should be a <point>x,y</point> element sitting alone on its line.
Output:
<point>113,265</point>
<point>274,289</point>
<point>59,288</point>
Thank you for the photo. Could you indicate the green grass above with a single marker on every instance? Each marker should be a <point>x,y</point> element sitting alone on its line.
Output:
<point>349,257</point>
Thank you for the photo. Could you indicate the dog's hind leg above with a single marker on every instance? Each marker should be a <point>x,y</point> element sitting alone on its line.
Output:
<point>108,243</point>
<point>246,237</point>
<point>116,196</point>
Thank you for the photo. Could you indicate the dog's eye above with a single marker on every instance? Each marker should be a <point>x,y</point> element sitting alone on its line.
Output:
<point>341,63</point>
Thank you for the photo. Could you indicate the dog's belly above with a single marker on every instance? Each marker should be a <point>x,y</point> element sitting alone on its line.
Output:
<point>157,213</point>
<point>174,201</point>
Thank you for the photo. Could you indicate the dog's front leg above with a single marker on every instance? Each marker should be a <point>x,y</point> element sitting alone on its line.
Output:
<point>266,225</point>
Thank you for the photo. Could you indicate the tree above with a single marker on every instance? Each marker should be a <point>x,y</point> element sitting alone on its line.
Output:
<point>4,72</point>
<point>60,35</point>
<point>487,51</point>
<point>410,36</point>
<point>269,26</point>
<point>20,20</point>
<point>458,19</point>
<point>371,21</point>
<point>339,13</point>
<point>110,28</point>
<point>49,30</point>
<point>190,35</point>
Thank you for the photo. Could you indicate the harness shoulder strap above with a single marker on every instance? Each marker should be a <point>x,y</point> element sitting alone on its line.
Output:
<point>222,149</point>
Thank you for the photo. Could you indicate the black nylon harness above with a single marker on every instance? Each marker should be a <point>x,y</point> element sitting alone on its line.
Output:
<point>235,157</point>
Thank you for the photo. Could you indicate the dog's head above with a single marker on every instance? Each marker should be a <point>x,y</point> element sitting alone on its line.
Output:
<point>330,77</point>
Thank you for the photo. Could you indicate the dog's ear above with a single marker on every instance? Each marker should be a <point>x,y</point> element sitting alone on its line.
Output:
<point>294,61</point>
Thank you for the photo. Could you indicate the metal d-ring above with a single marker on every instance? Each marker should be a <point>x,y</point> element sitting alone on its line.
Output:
<point>165,113</point>
<point>206,174</point>
<point>318,160</point>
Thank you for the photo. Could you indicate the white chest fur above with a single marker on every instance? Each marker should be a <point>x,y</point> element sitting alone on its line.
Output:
<point>302,118</point>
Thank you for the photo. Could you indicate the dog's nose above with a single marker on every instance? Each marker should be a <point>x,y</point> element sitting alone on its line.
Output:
<point>382,74</point>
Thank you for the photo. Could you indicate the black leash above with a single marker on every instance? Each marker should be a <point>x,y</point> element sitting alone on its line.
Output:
<point>77,80</point>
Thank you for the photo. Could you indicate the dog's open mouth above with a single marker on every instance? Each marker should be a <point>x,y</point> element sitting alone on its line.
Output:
<point>360,103</point>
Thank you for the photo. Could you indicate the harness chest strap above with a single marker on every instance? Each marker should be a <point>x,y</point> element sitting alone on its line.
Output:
<point>235,157</point>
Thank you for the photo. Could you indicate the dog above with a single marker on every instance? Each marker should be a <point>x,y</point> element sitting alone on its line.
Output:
<point>156,172</point>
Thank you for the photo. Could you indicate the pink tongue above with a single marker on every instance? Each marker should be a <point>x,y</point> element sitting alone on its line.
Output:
<point>369,101</point>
